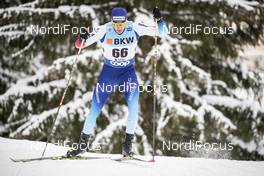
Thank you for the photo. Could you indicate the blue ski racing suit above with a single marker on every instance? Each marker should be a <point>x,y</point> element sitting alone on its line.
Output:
<point>119,58</point>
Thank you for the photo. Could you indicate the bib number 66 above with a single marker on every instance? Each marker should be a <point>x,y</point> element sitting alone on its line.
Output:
<point>120,52</point>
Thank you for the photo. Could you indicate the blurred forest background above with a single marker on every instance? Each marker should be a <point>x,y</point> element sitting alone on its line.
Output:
<point>215,82</point>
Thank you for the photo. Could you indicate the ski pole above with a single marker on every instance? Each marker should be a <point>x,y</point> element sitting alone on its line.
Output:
<point>154,74</point>
<point>50,131</point>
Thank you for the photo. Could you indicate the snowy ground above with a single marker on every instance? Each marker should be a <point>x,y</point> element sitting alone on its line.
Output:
<point>164,166</point>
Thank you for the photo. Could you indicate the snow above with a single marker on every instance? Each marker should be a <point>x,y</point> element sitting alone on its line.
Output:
<point>21,89</point>
<point>64,8</point>
<point>187,63</point>
<point>65,111</point>
<point>248,5</point>
<point>9,26</point>
<point>142,16</point>
<point>250,146</point>
<point>108,132</point>
<point>23,50</point>
<point>207,107</point>
<point>232,102</point>
<point>13,33</point>
<point>163,166</point>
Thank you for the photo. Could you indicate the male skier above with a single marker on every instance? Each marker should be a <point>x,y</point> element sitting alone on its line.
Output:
<point>118,39</point>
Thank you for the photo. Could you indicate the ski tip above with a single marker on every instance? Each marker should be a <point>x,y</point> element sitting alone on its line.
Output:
<point>14,160</point>
<point>11,159</point>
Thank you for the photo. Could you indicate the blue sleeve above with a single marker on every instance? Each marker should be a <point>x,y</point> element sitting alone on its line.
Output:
<point>162,28</point>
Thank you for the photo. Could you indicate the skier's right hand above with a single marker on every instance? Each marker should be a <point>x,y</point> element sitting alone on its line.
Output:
<point>84,35</point>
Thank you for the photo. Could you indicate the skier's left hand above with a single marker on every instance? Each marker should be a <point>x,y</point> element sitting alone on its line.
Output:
<point>156,13</point>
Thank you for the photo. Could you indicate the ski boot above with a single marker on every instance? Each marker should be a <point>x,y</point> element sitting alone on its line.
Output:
<point>81,147</point>
<point>127,147</point>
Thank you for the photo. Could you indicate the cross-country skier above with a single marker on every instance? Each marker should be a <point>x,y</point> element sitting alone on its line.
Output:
<point>118,39</point>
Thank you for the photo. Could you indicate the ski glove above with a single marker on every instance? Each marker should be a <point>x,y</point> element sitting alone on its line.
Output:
<point>156,13</point>
<point>162,28</point>
<point>84,35</point>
